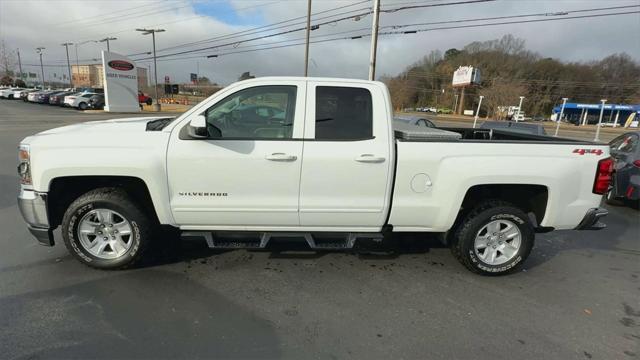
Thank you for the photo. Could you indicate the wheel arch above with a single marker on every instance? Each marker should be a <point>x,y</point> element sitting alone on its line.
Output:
<point>530,198</point>
<point>64,190</point>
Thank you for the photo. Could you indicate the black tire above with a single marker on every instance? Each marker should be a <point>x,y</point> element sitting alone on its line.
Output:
<point>462,242</point>
<point>116,200</point>
<point>83,106</point>
<point>149,102</point>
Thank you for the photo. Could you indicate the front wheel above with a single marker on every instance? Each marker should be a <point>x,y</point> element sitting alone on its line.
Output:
<point>495,238</point>
<point>82,106</point>
<point>105,229</point>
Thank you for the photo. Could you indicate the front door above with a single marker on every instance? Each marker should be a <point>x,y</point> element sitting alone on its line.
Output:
<point>248,172</point>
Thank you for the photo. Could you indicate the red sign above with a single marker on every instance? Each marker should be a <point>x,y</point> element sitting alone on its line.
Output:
<point>120,65</point>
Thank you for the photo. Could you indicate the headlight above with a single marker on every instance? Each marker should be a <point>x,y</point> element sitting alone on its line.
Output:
<point>24,164</point>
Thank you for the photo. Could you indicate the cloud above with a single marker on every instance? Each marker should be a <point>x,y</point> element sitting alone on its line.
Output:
<point>28,24</point>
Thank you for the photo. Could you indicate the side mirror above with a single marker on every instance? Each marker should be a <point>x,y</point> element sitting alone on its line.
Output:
<point>198,127</point>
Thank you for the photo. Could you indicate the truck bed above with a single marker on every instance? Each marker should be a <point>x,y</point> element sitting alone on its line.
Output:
<point>408,132</point>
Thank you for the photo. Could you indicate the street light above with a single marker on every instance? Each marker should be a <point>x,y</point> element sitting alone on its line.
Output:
<point>559,119</point>
<point>519,108</point>
<point>66,45</point>
<point>597,138</point>
<point>39,51</point>
<point>107,39</point>
<point>155,64</point>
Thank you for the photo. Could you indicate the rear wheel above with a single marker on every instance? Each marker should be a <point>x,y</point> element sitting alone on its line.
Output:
<point>149,101</point>
<point>495,238</point>
<point>105,229</point>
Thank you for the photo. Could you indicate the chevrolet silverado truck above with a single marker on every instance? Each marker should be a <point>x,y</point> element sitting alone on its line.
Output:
<point>315,159</point>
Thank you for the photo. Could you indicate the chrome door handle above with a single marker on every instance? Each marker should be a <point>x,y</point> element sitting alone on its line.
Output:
<point>370,158</point>
<point>281,157</point>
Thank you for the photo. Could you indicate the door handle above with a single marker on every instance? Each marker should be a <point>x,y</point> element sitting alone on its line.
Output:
<point>370,158</point>
<point>281,157</point>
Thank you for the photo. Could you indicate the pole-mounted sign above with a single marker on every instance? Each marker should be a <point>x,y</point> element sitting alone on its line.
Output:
<point>120,83</point>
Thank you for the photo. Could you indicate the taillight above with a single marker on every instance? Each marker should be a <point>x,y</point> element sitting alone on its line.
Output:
<point>636,163</point>
<point>603,176</point>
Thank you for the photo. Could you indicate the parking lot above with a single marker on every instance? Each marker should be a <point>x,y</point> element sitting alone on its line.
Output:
<point>577,297</point>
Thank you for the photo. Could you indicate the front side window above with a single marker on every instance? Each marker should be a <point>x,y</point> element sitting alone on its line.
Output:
<point>343,113</point>
<point>262,112</point>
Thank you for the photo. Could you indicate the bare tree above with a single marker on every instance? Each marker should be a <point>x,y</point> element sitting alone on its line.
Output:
<point>7,60</point>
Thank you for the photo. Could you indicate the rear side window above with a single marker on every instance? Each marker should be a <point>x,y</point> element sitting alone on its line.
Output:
<point>343,113</point>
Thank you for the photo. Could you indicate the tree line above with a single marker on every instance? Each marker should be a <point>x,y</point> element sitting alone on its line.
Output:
<point>509,71</point>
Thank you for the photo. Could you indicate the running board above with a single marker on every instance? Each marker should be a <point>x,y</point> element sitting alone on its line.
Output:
<point>316,241</point>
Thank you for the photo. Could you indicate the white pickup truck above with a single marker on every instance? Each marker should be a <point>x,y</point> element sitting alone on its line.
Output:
<point>316,159</point>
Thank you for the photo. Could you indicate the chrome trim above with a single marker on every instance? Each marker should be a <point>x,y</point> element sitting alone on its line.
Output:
<point>33,207</point>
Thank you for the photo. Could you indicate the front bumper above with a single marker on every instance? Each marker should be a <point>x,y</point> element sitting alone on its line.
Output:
<point>591,220</point>
<point>33,207</point>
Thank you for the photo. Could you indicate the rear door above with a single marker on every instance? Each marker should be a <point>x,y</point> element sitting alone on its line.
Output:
<point>347,157</point>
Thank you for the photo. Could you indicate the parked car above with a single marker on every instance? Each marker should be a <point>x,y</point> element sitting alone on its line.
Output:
<point>8,92</point>
<point>22,94</point>
<point>625,150</point>
<point>444,111</point>
<point>96,102</point>
<point>533,129</point>
<point>415,120</point>
<point>58,98</point>
<point>78,100</point>
<point>33,96</point>
<point>43,96</point>
<point>349,175</point>
<point>144,99</point>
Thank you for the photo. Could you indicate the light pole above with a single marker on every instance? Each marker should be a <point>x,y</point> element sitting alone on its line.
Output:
<point>107,39</point>
<point>519,108</point>
<point>455,104</point>
<point>559,119</point>
<point>306,46</point>
<point>597,138</point>
<point>39,50</point>
<point>374,39</point>
<point>475,120</point>
<point>66,46</point>
<point>155,64</point>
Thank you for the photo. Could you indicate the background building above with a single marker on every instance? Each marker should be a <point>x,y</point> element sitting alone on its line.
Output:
<point>91,75</point>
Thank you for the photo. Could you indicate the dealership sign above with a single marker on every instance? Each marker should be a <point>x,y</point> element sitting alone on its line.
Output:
<point>466,75</point>
<point>120,83</point>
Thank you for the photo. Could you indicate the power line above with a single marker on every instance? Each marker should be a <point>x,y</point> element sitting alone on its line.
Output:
<point>319,24</point>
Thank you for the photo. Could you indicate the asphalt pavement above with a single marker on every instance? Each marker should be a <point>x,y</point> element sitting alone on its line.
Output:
<point>577,297</point>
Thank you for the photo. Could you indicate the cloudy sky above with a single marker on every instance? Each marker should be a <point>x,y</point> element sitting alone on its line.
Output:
<point>26,25</point>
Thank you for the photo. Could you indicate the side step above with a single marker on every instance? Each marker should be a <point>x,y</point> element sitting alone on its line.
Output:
<point>254,240</point>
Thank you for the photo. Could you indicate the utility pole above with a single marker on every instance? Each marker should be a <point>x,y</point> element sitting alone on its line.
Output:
<point>306,47</point>
<point>66,45</point>
<point>39,50</point>
<point>475,120</point>
<point>19,63</point>
<point>519,108</point>
<point>155,64</point>
<point>559,119</point>
<point>374,39</point>
<point>597,138</point>
<point>107,39</point>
